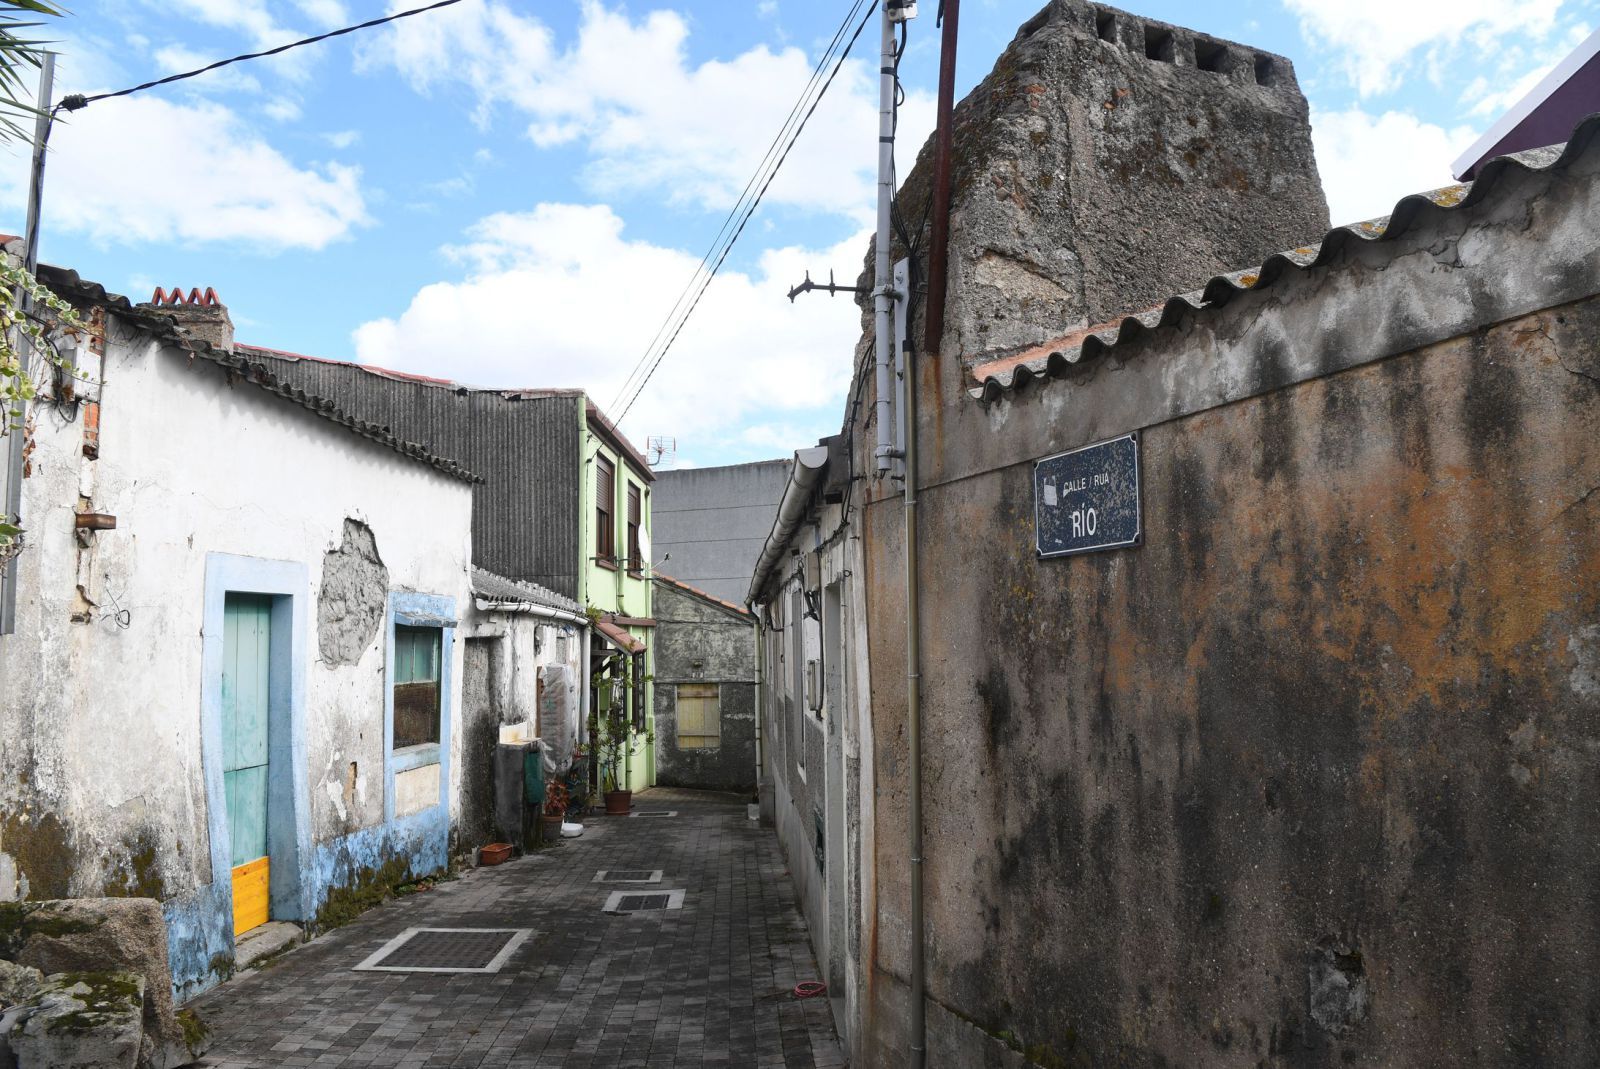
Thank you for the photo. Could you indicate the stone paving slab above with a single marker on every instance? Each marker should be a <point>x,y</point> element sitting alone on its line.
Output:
<point>709,984</point>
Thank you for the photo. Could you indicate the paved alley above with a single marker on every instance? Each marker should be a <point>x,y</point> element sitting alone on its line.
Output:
<point>708,984</point>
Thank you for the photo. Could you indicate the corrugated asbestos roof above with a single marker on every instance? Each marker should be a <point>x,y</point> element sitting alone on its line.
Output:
<point>1055,359</point>
<point>67,282</point>
<point>661,577</point>
<point>494,587</point>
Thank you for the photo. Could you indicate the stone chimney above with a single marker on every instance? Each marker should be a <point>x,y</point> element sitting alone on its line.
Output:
<point>1108,162</point>
<point>200,314</point>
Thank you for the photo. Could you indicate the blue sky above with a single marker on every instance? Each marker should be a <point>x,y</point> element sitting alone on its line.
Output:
<point>512,192</point>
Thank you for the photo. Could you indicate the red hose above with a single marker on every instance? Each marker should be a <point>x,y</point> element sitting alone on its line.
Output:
<point>810,989</point>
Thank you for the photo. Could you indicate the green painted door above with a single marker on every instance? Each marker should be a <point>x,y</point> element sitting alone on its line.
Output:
<point>247,644</point>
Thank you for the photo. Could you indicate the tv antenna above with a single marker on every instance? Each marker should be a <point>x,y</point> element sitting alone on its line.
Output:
<point>831,286</point>
<point>661,449</point>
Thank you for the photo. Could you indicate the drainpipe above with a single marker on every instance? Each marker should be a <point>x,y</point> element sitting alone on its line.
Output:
<point>939,239</point>
<point>882,289</point>
<point>914,720</point>
<point>761,690</point>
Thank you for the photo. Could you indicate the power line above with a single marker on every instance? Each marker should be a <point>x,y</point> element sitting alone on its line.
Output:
<point>77,101</point>
<point>748,213</point>
<point>738,205</point>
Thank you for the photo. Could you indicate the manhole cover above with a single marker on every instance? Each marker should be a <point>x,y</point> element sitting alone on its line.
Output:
<point>643,901</point>
<point>446,950</point>
<point>654,813</point>
<point>628,876</point>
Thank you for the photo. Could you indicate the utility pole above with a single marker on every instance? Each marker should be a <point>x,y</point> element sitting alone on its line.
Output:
<point>15,444</point>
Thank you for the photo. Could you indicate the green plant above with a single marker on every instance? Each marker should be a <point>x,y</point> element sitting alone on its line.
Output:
<point>26,349</point>
<point>17,54</point>
<point>615,732</point>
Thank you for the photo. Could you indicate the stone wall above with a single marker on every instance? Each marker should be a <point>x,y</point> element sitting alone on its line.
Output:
<point>698,641</point>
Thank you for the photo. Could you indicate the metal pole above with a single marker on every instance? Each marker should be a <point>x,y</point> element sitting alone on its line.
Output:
<point>919,1030</point>
<point>939,240</point>
<point>882,287</point>
<point>15,445</point>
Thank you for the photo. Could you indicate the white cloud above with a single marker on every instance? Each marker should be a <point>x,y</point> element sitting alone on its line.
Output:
<point>175,59</point>
<point>342,138</point>
<point>185,173</point>
<point>656,122</point>
<point>1368,162</point>
<point>558,296</point>
<point>255,20</point>
<point>282,109</point>
<point>1377,40</point>
<point>327,14</point>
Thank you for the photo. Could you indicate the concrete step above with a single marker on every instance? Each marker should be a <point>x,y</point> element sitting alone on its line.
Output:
<point>267,939</point>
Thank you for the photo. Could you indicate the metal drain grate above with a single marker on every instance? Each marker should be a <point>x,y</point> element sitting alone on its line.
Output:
<point>446,950</point>
<point>643,901</point>
<point>628,876</point>
<point>654,813</point>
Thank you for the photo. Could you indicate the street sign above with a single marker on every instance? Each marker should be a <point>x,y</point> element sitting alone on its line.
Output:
<point>1087,499</point>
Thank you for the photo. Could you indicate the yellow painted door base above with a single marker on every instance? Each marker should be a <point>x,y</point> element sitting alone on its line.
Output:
<point>249,896</point>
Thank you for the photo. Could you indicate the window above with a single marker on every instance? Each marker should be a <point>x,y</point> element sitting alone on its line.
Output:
<point>605,497</point>
<point>416,686</point>
<point>635,562</point>
<point>699,716</point>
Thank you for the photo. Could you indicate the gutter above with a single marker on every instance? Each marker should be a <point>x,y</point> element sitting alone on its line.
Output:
<point>487,605</point>
<point>803,478</point>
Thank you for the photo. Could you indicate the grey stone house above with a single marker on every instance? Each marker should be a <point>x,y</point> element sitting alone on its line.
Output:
<point>705,692</point>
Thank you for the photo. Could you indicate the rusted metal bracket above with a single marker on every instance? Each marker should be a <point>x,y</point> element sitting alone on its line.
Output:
<point>831,286</point>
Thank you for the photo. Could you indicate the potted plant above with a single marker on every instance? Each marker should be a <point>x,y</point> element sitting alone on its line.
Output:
<point>556,800</point>
<point>614,733</point>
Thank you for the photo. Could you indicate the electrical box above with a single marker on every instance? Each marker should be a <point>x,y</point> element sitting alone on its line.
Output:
<point>814,685</point>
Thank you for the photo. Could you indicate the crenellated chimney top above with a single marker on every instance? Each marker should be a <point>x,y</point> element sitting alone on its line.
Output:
<point>201,314</point>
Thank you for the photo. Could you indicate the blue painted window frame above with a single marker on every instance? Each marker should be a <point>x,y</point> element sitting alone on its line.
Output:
<point>409,609</point>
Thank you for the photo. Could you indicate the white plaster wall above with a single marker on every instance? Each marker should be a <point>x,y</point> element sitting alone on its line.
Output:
<point>101,723</point>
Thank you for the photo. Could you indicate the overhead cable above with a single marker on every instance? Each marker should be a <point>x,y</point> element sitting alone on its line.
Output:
<point>702,279</point>
<point>733,213</point>
<point>78,101</point>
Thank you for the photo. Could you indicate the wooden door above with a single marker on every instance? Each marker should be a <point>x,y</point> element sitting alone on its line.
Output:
<point>247,645</point>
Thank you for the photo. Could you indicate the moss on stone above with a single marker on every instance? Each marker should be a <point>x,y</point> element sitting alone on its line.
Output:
<point>109,995</point>
<point>20,921</point>
<point>195,1030</point>
<point>221,965</point>
<point>141,878</point>
<point>370,887</point>
<point>42,849</point>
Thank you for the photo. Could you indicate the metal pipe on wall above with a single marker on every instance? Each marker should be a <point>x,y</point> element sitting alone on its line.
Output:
<point>882,283</point>
<point>919,1028</point>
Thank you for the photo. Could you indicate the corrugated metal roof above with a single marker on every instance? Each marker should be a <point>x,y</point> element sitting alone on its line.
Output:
<point>998,377</point>
<point>494,587</point>
<point>68,283</point>
<point>525,443</point>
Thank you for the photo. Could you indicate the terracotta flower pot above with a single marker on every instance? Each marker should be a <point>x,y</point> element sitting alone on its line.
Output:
<point>618,803</point>
<point>551,826</point>
<point>494,853</point>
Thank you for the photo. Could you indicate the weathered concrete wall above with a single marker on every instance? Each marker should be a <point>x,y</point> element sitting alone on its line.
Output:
<point>713,522</point>
<point>1332,722</point>
<point>1319,742</point>
<point>698,642</point>
<point>103,778</point>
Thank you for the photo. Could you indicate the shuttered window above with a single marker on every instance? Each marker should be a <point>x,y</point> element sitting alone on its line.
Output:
<point>635,561</point>
<point>605,503</point>
<point>699,709</point>
<point>416,686</point>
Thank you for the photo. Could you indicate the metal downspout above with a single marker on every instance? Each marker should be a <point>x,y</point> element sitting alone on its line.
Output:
<point>882,284</point>
<point>919,1029</point>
